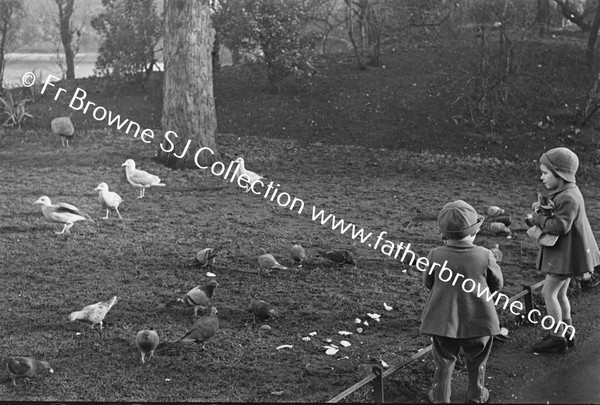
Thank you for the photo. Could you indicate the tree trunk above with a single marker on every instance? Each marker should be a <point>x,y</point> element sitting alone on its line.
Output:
<point>543,17</point>
<point>590,53</point>
<point>65,11</point>
<point>188,101</point>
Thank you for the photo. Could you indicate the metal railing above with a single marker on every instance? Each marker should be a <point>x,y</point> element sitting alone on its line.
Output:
<point>378,375</point>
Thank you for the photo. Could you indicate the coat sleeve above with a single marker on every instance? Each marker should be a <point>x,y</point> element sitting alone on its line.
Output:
<point>428,279</point>
<point>494,277</point>
<point>565,212</point>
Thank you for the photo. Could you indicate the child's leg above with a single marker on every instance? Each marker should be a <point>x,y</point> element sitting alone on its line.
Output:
<point>445,353</point>
<point>563,300</point>
<point>477,351</point>
<point>550,291</point>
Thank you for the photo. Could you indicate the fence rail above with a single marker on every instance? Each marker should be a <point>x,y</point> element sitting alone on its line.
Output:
<point>378,374</point>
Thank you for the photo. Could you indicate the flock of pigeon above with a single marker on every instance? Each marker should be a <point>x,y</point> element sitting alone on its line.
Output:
<point>198,298</point>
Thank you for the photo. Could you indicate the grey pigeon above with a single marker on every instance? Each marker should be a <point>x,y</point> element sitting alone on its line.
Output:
<point>63,127</point>
<point>267,261</point>
<point>262,309</point>
<point>147,340</point>
<point>338,256</point>
<point>204,328</point>
<point>94,313</point>
<point>62,213</point>
<point>108,199</point>
<point>298,254</point>
<point>198,297</point>
<point>206,257</point>
<point>25,367</point>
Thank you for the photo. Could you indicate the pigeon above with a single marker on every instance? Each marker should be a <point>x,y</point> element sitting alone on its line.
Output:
<point>338,256</point>
<point>62,212</point>
<point>204,328</point>
<point>108,199</point>
<point>298,254</point>
<point>63,127</point>
<point>267,261</point>
<point>94,313</point>
<point>197,297</point>
<point>496,228</point>
<point>262,309</point>
<point>206,257</point>
<point>140,178</point>
<point>25,367</point>
<point>494,211</point>
<point>250,177</point>
<point>497,253</point>
<point>146,340</point>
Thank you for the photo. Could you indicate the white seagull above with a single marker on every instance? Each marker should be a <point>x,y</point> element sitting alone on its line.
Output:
<point>62,212</point>
<point>108,199</point>
<point>140,178</point>
<point>251,177</point>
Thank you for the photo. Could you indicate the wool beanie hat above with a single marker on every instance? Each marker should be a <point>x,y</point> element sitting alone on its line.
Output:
<point>458,219</point>
<point>563,162</point>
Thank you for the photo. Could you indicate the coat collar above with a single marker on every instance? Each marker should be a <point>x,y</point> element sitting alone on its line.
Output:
<point>560,189</point>
<point>459,243</point>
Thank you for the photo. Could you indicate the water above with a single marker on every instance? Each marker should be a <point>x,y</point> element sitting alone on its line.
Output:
<point>44,64</point>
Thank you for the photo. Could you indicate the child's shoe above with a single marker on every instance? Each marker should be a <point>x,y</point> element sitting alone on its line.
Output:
<point>550,344</point>
<point>570,340</point>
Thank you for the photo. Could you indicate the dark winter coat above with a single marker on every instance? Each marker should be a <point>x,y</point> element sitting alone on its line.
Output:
<point>576,251</point>
<point>450,310</point>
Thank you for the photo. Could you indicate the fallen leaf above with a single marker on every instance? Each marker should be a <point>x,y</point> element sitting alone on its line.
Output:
<point>345,343</point>
<point>209,274</point>
<point>331,351</point>
<point>344,333</point>
<point>387,307</point>
<point>306,339</point>
<point>312,333</point>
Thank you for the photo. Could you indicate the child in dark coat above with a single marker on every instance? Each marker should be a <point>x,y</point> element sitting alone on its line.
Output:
<point>455,316</point>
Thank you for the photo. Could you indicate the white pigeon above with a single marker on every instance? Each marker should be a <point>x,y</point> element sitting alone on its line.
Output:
<point>94,313</point>
<point>250,177</point>
<point>62,212</point>
<point>139,178</point>
<point>108,199</point>
<point>267,261</point>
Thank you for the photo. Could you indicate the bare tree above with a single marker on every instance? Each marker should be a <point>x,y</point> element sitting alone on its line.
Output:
<point>590,53</point>
<point>10,18</point>
<point>68,34</point>
<point>188,100</point>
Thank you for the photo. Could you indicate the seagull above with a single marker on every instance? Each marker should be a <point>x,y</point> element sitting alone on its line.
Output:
<point>139,178</point>
<point>94,313</point>
<point>146,340</point>
<point>267,261</point>
<point>108,199</point>
<point>298,254</point>
<point>251,177</point>
<point>338,256</point>
<point>25,367</point>
<point>63,127</point>
<point>204,328</point>
<point>62,212</point>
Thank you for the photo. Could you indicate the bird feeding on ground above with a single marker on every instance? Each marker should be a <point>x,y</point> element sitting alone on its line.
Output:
<point>246,175</point>
<point>497,253</point>
<point>63,127</point>
<point>206,257</point>
<point>94,313</point>
<point>140,178</point>
<point>261,309</point>
<point>147,340</point>
<point>26,367</point>
<point>338,256</point>
<point>204,328</point>
<point>298,254</point>
<point>62,213</point>
<point>267,261</point>
<point>108,199</point>
<point>199,297</point>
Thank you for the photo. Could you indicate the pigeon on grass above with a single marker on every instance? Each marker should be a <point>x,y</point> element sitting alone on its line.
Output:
<point>261,309</point>
<point>62,213</point>
<point>26,367</point>
<point>199,297</point>
<point>140,178</point>
<point>206,257</point>
<point>250,177</point>
<point>298,254</point>
<point>63,127</point>
<point>147,340</point>
<point>108,199</point>
<point>204,328</point>
<point>267,261</point>
<point>94,313</point>
<point>338,256</point>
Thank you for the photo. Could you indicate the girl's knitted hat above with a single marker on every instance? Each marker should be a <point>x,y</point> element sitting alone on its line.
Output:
<point>563,162</point>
